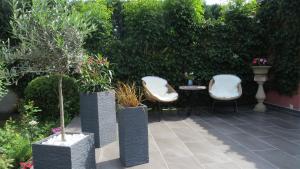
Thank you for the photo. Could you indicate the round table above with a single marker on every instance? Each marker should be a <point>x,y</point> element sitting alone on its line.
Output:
<point>191,89</point>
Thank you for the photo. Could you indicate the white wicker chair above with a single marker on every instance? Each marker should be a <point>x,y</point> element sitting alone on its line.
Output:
<point>225,87</point>
<point>158,90</point>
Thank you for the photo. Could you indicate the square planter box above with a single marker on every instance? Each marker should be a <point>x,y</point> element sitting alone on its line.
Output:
<point>98,116</point>
<point>133,135</point>
<point>80,155</point>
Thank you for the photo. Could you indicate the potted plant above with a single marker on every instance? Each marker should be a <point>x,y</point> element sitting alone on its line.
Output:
<point>190,77</point>
<point>260,68</point>
<point>51,42</point>
<point>97,100</point>
<point>133,126</point>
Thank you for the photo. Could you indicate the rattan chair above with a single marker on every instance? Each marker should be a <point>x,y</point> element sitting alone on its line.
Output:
<point>158,90</point>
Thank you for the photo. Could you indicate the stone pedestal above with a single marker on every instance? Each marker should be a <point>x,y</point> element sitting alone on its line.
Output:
<point>260,76</point>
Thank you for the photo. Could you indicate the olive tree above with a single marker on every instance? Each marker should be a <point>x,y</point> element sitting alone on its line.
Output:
<point>51,37</point>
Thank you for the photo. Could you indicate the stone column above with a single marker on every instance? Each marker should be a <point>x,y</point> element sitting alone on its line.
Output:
<point>260,95</point>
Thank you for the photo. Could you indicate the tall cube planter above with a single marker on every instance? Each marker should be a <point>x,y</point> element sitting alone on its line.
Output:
<point>133,135</point>
<point>98,116</point>
<point>80,155</point>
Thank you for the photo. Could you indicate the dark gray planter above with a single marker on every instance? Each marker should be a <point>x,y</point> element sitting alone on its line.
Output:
<point>133,135</point>
<point>80,155</point>
<point>98,116</point>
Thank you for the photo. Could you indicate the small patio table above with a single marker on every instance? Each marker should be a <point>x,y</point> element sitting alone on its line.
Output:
<point>191,89</point>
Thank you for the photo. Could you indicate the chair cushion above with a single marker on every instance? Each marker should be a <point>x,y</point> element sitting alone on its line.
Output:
<point>225,87</point>
<point>158,87</point>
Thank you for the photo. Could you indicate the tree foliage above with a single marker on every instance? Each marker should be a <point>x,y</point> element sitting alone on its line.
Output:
<point>98,13</point>
<point>51,36</point>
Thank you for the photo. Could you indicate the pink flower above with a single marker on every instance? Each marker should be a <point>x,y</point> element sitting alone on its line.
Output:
<point>56,130</point>
<point>26,165</point>
<point>254,61</point>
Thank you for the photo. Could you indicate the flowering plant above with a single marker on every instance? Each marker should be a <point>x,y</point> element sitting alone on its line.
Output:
<point>56,130</point>
<point>260,62</point>
<point>96,74</point>
<point>189,76</point>
<point>26,165</point>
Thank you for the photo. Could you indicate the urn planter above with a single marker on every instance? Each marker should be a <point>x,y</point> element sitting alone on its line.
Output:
<point>260,76</point>
<point>133,135</point>
<point>76,155</point>
<point>98,116</point>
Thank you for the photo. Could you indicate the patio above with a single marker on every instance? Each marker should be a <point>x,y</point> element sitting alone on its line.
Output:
<point>223,140</point>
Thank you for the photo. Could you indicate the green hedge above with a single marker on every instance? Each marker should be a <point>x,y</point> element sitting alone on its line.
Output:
<point>5,14</point>
<point>168,38</point>
<point>280,25</point>
<point>43,91</point>
<point>100,15</point>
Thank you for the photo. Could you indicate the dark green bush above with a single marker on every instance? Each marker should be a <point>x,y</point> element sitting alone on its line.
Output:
<point>280,21</point>
<point>43,91</point>
<point>5,14</point>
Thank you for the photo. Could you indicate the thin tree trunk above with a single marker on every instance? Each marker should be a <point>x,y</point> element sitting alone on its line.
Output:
<point>61,108</point>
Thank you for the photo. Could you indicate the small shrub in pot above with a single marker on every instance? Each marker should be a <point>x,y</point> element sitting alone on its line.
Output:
<point>133,126</point>
<point>97,100</point>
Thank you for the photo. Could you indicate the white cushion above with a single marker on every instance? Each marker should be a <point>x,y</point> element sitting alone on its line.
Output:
<point>225,87</point>
<point>158,87</point>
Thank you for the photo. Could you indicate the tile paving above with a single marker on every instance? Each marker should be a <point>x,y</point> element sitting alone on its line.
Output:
<point>222,140</point>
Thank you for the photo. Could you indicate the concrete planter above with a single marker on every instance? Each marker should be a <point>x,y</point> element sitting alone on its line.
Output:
<point>80,155</point>
<point>98,116</point>
<point>133,135</point>
<point>261,70</point>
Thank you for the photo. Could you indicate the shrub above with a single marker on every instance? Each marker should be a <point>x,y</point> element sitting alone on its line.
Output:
<point>17,135</point>
<point>43,92</point>
<point>5,163</point>
<point>96,75</point>
<point>5,14</point>
<point>13,144</point>
<point>280,22</point>
<point>141,46</point>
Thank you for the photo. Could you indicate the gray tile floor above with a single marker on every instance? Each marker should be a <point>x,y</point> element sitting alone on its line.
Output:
<point>222,140</point>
